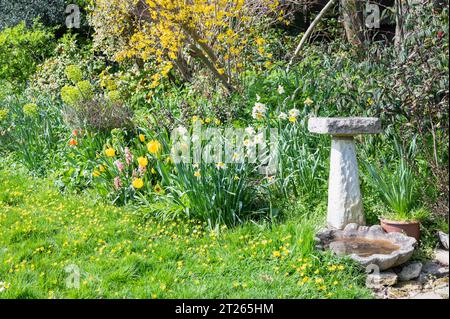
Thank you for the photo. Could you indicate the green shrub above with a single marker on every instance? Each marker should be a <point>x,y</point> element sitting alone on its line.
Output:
<point>21,50</point>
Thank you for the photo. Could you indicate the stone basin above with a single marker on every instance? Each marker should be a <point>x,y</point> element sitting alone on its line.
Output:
<point>368,245</point>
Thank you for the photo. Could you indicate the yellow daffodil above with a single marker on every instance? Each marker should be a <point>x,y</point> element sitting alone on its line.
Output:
<point>154,147</point>
<point>308,101</point>
<point>142,138</point>
<point>143,161</point>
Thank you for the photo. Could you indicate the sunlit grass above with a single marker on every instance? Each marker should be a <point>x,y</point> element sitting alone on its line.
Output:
<point>123,253</point>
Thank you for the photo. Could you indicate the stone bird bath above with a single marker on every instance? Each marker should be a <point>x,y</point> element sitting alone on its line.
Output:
<point>346,234</point>
<point>344,196</point>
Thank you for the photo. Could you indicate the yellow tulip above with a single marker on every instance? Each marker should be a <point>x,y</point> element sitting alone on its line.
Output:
<point>138,183</point>
<point>110,152</point>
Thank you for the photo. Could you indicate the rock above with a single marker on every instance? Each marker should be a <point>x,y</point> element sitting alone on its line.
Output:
<point>394,293</point>
<point>410,285</point>
<point>347,126</point>
<point>441,256</point>
<point>443,292</point>
<point>378,281</point>
<point>444,239</point>
<point>433,268</point>
<point>427,295</point>
<point>440,283</point>
<point>410,271</point>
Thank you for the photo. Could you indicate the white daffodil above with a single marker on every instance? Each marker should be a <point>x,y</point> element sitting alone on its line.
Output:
<point>294,113</point>
<point>282,116</point>
<point>259,111</point>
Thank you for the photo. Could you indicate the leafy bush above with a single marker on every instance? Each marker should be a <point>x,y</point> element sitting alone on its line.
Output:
<point>92,110</point>
<point>50,76</point>
<point>51,12</point>
<point>21,50</point>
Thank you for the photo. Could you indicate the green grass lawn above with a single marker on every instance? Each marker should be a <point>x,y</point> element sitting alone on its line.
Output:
<point>125,253</point>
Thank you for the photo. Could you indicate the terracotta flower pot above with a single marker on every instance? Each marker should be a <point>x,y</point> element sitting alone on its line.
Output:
<point>410,228</point>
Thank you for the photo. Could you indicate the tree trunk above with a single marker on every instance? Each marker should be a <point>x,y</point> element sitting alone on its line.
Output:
<point>401,8</point>
<point>353,21</point>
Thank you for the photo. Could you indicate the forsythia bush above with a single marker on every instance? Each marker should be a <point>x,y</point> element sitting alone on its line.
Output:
<point>169,33</point>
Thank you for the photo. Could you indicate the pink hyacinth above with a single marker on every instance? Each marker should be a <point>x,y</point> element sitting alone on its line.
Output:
<point>128,156</point>
<point>119,165</point>
<point>117,182</point>
<point>142,169</point>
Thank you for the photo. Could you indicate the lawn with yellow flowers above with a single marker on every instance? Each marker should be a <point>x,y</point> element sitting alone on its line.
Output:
<point>55,245</point>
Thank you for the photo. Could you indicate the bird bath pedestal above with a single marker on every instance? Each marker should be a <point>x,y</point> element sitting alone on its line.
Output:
<point>344,195</point>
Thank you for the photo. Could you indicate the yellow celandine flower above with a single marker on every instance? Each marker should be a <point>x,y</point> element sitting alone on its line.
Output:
<point>220,165</point>
<point>101,168</point>
<point>153,171</point>
<point>142,137</point>
<point>195,118</point>
<point>197,174</point>
<point>138,183</point>
<point>308,101</point>
<point>110,152</point>
<point>292,119</point>
<point>217,122</point>
<point>276,253</point>
<point>154,147</point>
<point>143,161</point>
<point>96,173</point>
